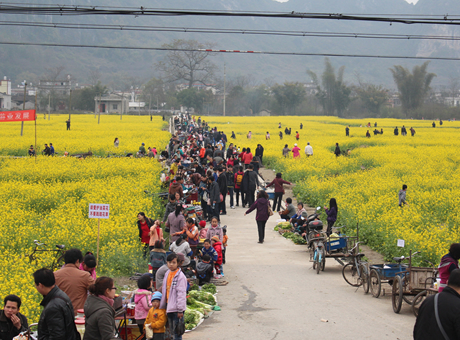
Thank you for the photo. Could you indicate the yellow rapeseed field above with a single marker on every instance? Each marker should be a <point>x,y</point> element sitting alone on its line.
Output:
<point>47,199</point>
<point>366,183</point>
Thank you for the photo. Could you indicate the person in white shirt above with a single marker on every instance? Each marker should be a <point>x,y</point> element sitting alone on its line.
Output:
<point>308,150</point>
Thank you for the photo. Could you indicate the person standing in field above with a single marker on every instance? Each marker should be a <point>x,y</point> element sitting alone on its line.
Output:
<point>347,131</point>
<point>337,150</point>
<point>297,135</point>
<point>68,124</point>
<point>116,142</point>
<point>412,131</point>
<point>286,151</point>
<point>308,150</point>
<point>402,196</point>
<point>301,126</point>
<point>296,151</point>
<point>281,135</point>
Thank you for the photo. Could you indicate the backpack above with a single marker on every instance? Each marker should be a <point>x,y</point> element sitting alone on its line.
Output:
<point>239,179</point>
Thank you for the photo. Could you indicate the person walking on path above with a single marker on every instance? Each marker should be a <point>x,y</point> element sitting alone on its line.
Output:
<point>337,150</point>
<point>308,150</point>
<point>331,215</point>
<point>239,186</point>
<point>279,190</point>
<point>223,189</point>
<point>262,204</point>
<point>402,196</point>
<point>439,315</point>
<point>260,152</point>
<point>144,224</point>
<point>449,263</point>
<point>175,223</point>
<point>250,184</point>
<point>296,151</point>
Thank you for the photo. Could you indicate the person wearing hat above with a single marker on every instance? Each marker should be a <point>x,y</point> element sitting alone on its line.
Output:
<point>308,150</point>
<point>295,151</point>
<point>142,149</point>
<point>156,319</point>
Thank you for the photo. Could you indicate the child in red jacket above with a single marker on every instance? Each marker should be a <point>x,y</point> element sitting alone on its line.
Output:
<point>217,245</point>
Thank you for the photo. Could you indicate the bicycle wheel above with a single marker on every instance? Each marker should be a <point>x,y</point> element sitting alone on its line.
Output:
<point>318,260</point>
<point>397,294</point>
<point>57,264</point>
<point>315,255</point>
<point>375,283</point>
<point>419,298</point>
<point>350,274</point>
<point>364,274</point>
<point>323,262</point>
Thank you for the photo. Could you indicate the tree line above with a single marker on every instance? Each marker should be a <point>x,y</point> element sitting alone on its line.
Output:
<point>187,76</point>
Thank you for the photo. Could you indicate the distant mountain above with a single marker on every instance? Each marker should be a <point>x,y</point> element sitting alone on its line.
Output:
<point>15,60</point>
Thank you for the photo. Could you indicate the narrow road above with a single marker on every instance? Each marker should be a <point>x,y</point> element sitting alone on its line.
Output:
<point>273,293</point>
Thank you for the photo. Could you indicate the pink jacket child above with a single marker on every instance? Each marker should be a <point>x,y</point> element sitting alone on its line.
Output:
<point>295,151</point>
<point>142,301</point>
<point>177,301</point>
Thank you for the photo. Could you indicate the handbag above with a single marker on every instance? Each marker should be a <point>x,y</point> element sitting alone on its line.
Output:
<point>270,211</point>
<point>221,197</point>
<point>180,327</point>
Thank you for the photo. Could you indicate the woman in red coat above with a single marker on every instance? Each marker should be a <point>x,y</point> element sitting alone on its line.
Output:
<point>279,190</point>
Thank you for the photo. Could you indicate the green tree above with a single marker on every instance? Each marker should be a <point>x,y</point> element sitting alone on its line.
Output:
<point>185,63</point>
<point>413,87</point>
<point>193,98</point>
<point>257,98</point>
<point>372,96</point>
<point>289,96</point>
<point>334,95</point>
<point>84,99</point>
<point>153,91</point>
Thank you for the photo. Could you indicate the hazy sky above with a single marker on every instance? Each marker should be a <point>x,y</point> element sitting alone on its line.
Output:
<point>409,1</point>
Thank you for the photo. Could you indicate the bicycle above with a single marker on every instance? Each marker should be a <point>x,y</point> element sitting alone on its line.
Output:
<point>356,272</point>
<point>316,240</point>
<point>58,258</point>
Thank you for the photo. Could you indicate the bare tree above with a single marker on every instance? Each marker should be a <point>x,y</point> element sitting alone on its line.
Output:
<point>94,76</point>
<point>52,73</point>
<point>185,62</point>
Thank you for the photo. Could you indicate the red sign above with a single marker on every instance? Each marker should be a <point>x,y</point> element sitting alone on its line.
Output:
<point>17,116</point>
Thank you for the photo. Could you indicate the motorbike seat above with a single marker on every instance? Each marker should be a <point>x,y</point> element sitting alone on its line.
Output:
<point>60,246</point>
<point>398,259</point>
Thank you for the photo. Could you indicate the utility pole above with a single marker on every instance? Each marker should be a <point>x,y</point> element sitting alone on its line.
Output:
<point>24,107</point>
<point>99,108</point>
<point>224,88</point>
<point>70,102</point>
<point>150,103</point>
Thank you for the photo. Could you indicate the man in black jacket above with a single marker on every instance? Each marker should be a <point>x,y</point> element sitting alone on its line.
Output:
<point>260,152</point>
<point>222,182</point>
<point>57,318</point>
<point>11,321</point>
<point>250,184</point>
<point>448,305</point>
<point>214,197</point>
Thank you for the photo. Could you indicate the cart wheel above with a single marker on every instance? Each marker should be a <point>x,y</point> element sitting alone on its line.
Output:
<point>323,262</point>
<point>375,283</point>
<point>364,277</point>
<point>350,275</point>
<point>419,298</point>
<point>397,294</point>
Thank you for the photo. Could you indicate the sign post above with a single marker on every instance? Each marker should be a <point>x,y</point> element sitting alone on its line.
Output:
<point>98,211</point>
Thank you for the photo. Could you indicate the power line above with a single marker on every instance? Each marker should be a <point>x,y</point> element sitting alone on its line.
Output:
<point>230,51</point>
<point>227,31</point>
<point>62,10</point>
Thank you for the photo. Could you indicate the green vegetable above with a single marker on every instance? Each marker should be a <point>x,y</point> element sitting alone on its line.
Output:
<point>210,288</point>
<point>203,297</point>
<point>194,287</point>
<point>192,318</point>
